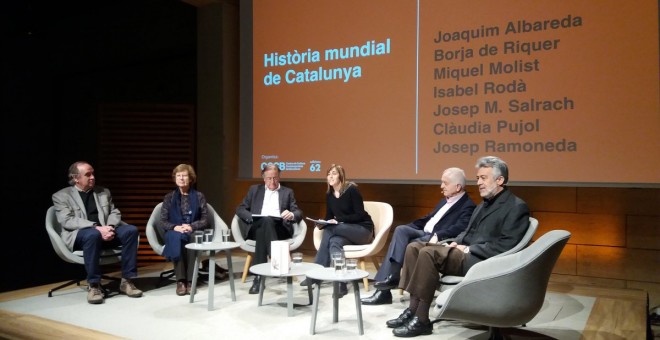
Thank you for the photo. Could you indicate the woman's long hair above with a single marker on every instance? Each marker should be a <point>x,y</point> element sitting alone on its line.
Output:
<point>342,178</point>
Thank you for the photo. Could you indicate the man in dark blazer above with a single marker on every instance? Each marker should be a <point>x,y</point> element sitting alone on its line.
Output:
<point>90,221</point>
<point>448,219</point>
<point>496,225</point>
<point>267,214</point>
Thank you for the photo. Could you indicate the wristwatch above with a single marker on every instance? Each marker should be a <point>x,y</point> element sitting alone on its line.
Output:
<point>466,250</point>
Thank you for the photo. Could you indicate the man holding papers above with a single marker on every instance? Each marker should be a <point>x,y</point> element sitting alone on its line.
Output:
<point>267,214</point>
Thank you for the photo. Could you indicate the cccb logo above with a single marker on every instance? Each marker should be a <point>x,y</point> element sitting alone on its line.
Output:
<point>280,165</point>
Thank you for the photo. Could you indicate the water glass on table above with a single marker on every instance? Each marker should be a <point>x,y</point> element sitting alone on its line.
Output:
<point>198,236</point>
<point>339,262</point>
<point>225,235</point>
<point>296,258</point>
<point>351,266</point>
<point>208,235</point>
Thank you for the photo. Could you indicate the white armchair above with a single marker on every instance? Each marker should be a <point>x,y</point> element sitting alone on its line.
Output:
<point>383,216</point>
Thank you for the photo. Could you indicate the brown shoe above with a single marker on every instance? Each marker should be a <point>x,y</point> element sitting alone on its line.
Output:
<point>181,288</point>
<point>189,287</point>
<point>127,287</point>
<point>95,294</point>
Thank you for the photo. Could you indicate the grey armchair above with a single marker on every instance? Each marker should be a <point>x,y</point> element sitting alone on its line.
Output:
<point>54,230</point>
<point>504,291</point>
<point>157,242</point>
<point>448,281</point>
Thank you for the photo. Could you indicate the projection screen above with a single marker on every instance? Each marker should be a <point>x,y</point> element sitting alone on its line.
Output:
<point>567,93</point>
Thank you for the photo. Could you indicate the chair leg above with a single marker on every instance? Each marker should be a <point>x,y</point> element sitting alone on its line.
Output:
<point>167,274</point>
<point>50,292</point>
<point>363,266</point>
<point>494,333</point>
<point>164,276</point>
<point>246,268</point>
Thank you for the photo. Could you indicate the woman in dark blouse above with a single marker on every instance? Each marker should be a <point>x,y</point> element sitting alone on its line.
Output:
<point>183,212</point>
<point>349,222</point>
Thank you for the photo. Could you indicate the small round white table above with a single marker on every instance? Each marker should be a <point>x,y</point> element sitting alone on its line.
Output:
<point>328,274</point>
<point>212,248</point>
<point>264,269</point>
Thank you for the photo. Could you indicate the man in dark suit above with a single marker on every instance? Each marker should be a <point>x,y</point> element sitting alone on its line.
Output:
<point>496,225</point>
<point>448,219</point>
<point>277,211</point>
<point>90,222</point>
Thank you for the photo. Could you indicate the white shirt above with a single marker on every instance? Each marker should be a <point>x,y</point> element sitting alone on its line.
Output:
<point>428,228</point>
<point>271,205</point>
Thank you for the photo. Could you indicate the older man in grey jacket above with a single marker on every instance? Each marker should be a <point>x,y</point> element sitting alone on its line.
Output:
<point>91,222</point>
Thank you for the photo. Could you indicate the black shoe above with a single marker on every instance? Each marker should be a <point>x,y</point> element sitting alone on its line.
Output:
<point>413,328</point>
<point>343,290</point>
<point>255,285</point>
<point>387,284</point>
<point>380,297</point>
<point>401,320</point>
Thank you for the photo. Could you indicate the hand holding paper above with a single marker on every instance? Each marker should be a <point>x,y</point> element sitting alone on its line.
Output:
<point>287,215</point>
<point>322,223</point>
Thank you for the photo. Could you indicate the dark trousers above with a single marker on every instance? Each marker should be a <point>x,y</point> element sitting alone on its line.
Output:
<point>263,231</point>
<point>403,234</point>
<point>336,236</point>
<point>423,265</point>
<point>89,240</point>
<point>185,265</point>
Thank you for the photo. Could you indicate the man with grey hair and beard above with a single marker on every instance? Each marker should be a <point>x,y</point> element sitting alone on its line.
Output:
<point>496,225</point>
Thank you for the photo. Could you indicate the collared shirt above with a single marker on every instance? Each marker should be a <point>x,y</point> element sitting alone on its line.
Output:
<point>271,205</point>
<point>428,228</point>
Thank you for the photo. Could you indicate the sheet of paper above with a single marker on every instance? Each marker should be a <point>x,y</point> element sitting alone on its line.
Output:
<point>320,222</point>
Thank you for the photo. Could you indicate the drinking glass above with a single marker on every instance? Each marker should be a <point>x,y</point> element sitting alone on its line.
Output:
<point>335,255</point>
<point>225,235</point>
<point>208,235</point>
<point>351,266</point>
<point>338,261</point>
<point>198,236</point>
<point>297,258</point>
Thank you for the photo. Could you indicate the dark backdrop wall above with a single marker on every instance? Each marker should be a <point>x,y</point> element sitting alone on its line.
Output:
<point>61,60</point>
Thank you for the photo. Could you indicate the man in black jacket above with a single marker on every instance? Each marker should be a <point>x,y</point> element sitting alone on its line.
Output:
<point>267,214</point>
<point>496,225</point>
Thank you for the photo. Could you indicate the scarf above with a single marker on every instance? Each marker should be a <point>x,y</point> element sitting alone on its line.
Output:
<point>174,240</point>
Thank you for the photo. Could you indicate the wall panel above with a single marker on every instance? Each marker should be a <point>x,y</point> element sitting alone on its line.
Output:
<point>618,263</point>
<point>139,145</point>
